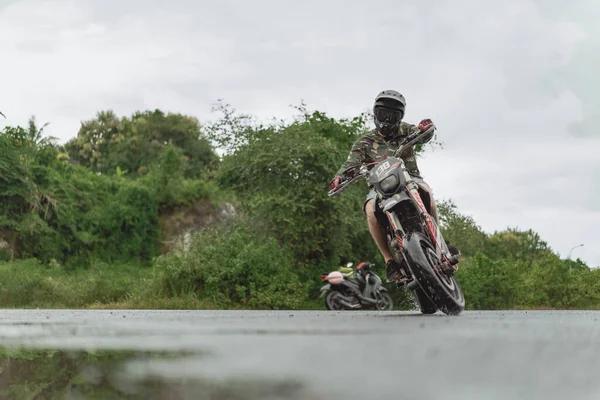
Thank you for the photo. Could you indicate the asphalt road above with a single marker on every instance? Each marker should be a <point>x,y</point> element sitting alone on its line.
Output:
<point>341,355</point>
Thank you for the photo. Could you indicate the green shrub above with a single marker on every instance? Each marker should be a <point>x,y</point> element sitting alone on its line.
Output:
<point>233,265</point>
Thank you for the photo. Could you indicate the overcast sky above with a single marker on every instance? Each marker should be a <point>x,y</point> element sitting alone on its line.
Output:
<point>510,84</point>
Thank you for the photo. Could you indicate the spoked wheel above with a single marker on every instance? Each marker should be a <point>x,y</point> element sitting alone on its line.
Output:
<point>448,280</point>
<point>384,301</point>
<point>426,306</point>
<point>442,290</point>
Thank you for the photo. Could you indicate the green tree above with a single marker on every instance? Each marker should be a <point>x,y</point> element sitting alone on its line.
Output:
<point>107,200</point>
<point>515,244</point>
<point>490,284</point>
<point>132,144</point>
<point>460,230</point>
<point>35,134</point>
<point>21,199</point>
<point>50,209</point>
<point>280,175</point>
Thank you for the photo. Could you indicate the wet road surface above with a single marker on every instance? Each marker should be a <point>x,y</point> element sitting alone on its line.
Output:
<point>314,355</point>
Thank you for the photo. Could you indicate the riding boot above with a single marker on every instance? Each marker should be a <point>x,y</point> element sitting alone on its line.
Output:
<point>453,250</point>
<point>392,270</point>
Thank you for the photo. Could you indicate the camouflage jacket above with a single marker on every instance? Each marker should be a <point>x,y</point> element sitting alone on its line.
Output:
<point>373,148</point>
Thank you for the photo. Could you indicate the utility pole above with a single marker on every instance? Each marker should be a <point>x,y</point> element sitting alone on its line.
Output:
<point>569,257</point>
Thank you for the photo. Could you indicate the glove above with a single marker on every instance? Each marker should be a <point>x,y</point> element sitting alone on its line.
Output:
<point>425,124</point>
<point>335,182</point>
<point>426,128</point>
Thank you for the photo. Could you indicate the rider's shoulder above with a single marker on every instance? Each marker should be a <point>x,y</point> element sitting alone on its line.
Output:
<point>368,138</point>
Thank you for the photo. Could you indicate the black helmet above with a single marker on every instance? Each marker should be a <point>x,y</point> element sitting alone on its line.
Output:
<point>388,112</point>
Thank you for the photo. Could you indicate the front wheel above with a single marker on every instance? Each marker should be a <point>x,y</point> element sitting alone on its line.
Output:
<point>442,290</point>
<point>384,301</point>
<point>425,304</point>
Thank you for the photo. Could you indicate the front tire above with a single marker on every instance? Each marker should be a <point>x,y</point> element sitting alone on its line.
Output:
<point>425,304</point>
<point>384,301</point>
<point>442,291</point>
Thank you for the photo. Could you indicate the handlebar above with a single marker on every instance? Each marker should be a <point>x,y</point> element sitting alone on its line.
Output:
<point>409,141</point>
<point>364,169</point>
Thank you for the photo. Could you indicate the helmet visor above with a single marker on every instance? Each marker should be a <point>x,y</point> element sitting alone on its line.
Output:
<point>388,115</point>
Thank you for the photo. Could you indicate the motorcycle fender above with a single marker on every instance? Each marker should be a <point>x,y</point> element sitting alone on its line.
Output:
<point>377,286</point>
<point>394,200</point>
<point>324,289</point>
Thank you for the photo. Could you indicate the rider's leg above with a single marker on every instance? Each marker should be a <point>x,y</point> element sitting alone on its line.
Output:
<point>377,229</point>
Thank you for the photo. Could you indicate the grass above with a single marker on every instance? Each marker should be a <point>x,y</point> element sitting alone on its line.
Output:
<point>29,284</point>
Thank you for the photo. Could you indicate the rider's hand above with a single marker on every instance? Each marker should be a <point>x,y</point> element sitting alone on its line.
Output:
<point>426,129</point>
<point>425,125</point>
<point>335,182</point>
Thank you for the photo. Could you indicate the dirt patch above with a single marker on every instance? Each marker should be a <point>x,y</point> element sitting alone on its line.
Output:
<point>8,243</point>
<point>176,225</point>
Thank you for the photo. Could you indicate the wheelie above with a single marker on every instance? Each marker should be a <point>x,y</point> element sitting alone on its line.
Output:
<point>355,290</point>
<point>400,208</point>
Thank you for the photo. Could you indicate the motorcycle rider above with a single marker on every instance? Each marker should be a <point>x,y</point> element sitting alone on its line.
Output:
<point>390,129</point>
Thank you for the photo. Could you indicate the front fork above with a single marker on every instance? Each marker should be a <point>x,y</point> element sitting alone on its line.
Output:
<point>448,261</point>
<point>395,241</point>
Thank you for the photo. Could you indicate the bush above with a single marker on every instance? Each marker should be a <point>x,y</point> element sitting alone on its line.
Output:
<point>233,265</point>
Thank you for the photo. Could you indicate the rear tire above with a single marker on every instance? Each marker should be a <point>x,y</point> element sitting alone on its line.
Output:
<point>327,301</point>
<point>442,291</point>
<point>331,303</point>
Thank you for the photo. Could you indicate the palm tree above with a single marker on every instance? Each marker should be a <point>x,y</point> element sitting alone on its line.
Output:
<point>35,135</point>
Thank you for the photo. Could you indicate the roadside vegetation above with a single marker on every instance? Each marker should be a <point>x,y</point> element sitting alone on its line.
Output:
<point>101,221</point>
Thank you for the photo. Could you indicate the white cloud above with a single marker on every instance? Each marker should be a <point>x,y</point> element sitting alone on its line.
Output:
<point>504,81</point>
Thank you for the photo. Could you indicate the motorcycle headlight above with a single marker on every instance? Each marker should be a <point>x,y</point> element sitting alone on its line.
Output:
<point>389,183</point>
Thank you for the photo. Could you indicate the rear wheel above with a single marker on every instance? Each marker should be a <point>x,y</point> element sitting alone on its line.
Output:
<point>327,301</point>
<point>331,301</point>
<point>442,290</point>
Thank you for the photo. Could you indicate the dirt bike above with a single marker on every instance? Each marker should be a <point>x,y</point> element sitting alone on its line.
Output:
<point>365,291</point>
<point>427,266</point>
